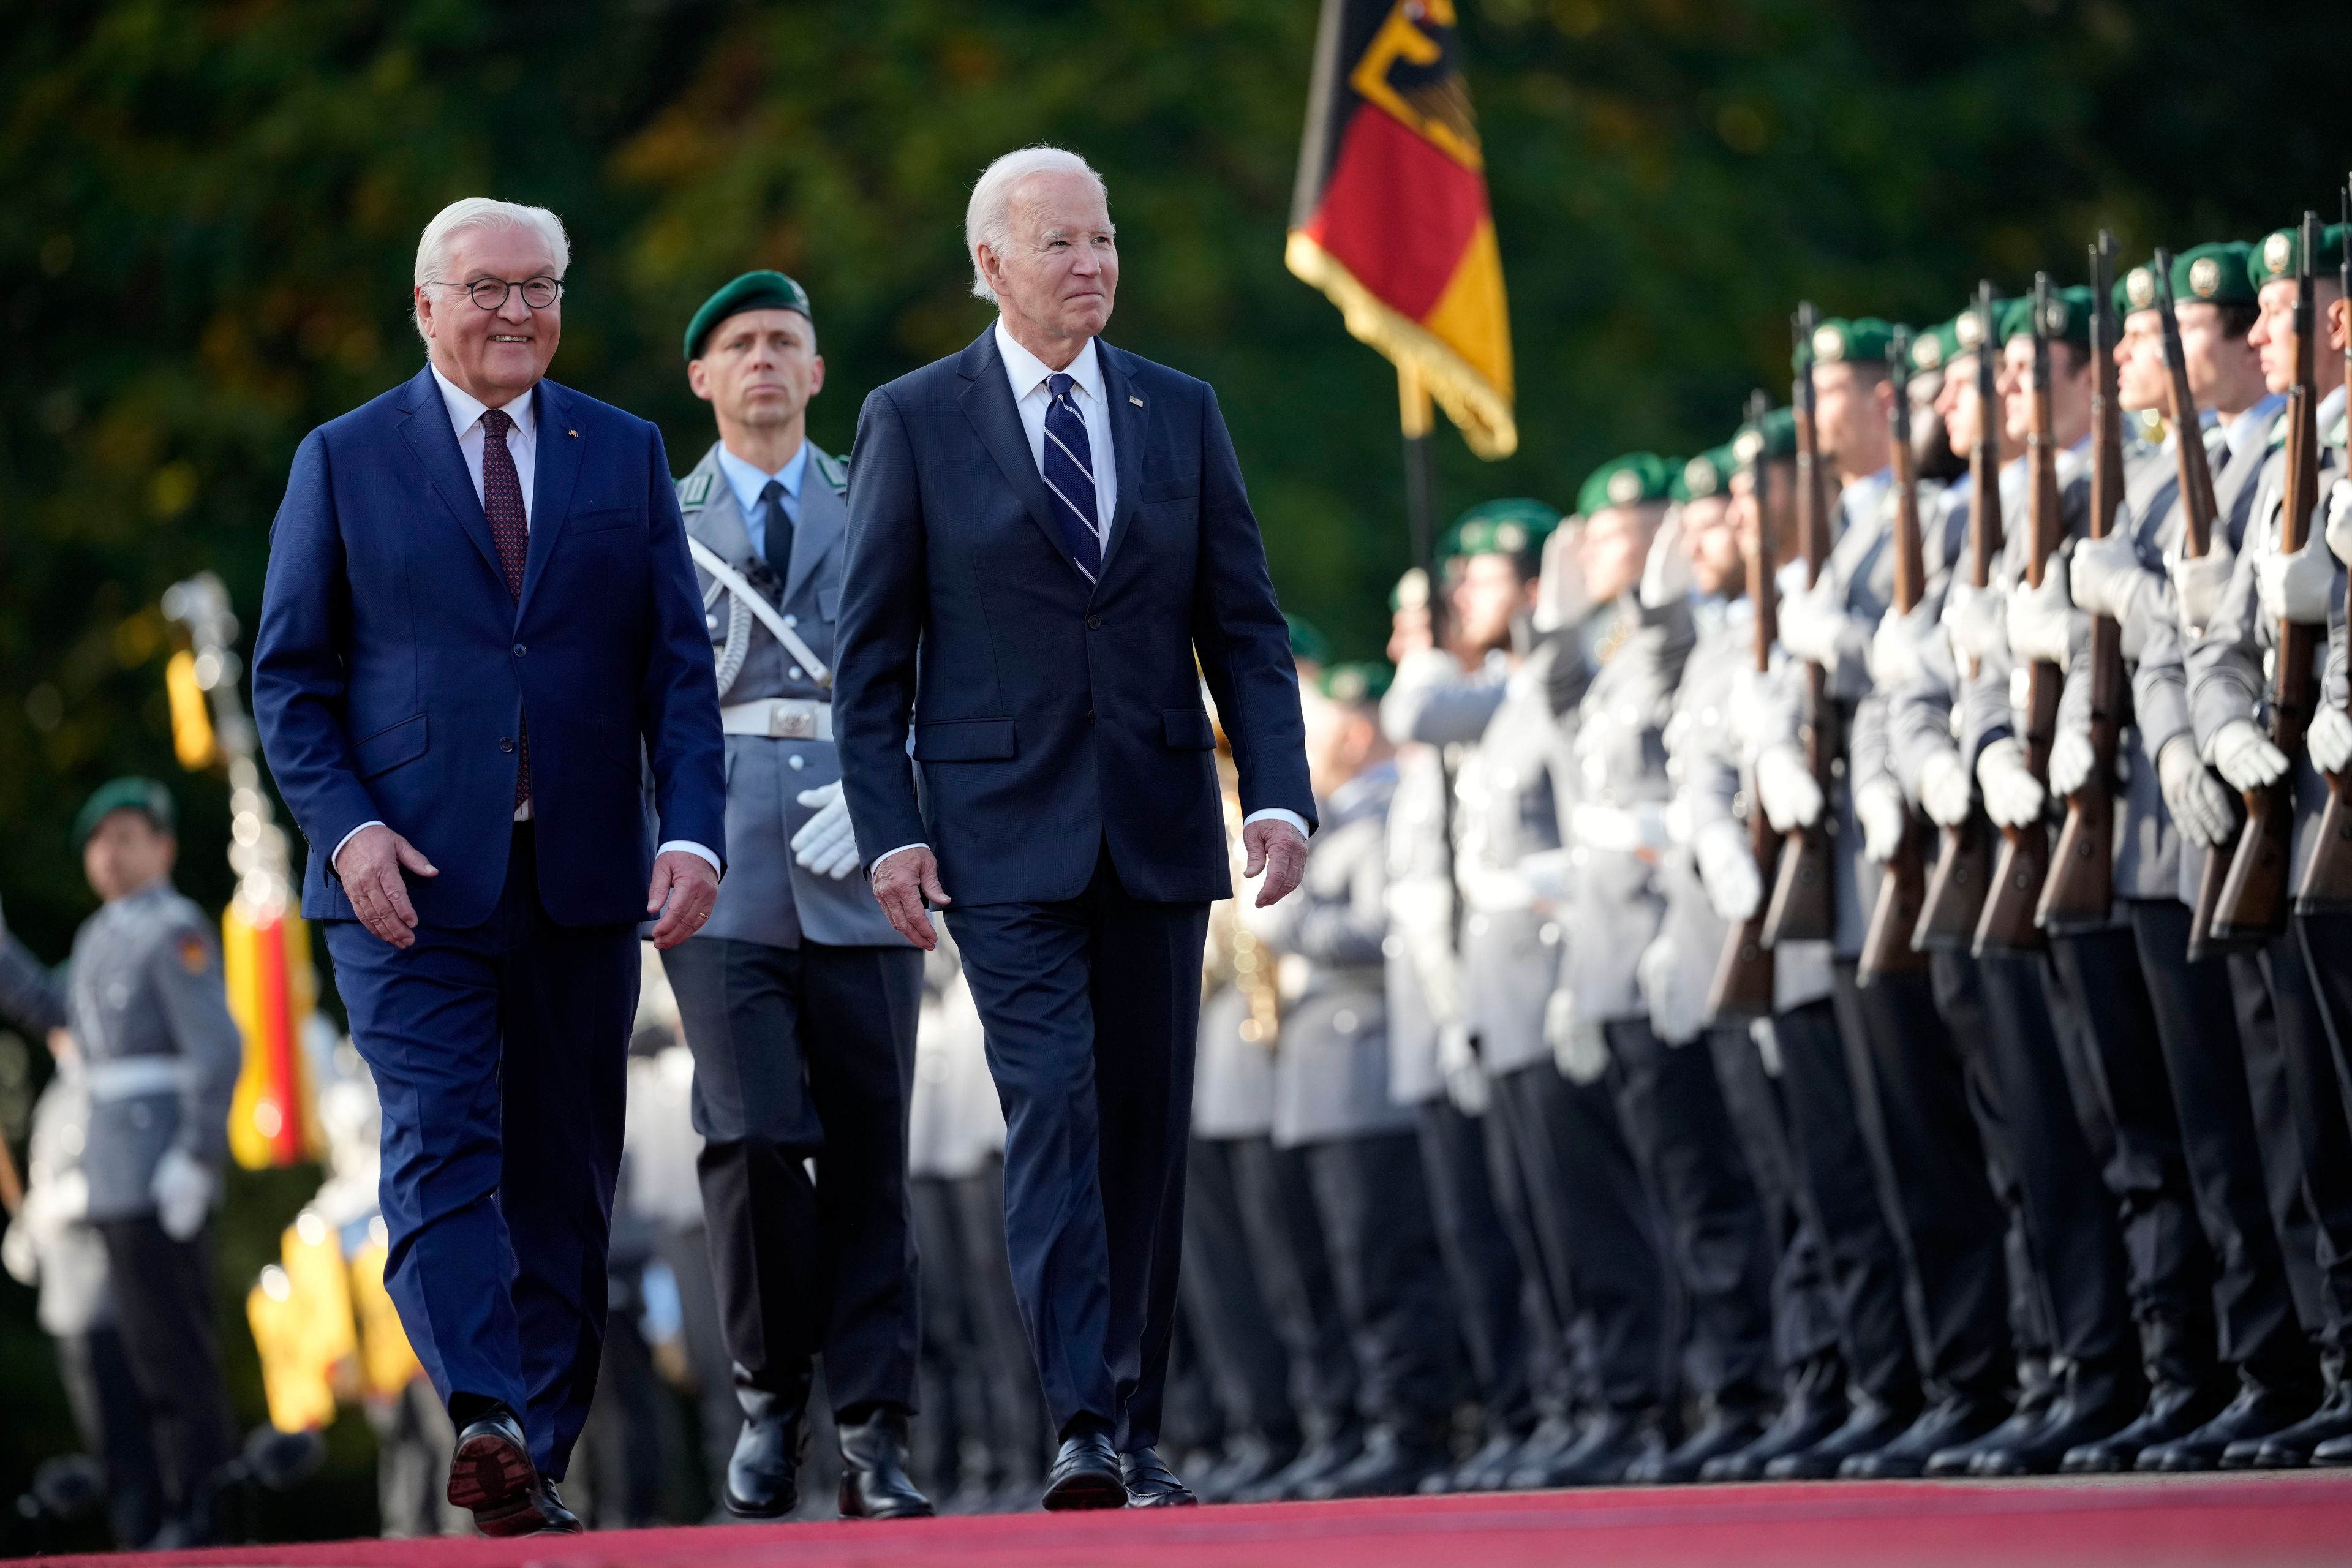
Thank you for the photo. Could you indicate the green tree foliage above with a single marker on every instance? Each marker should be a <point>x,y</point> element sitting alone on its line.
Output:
<point>210,212</point>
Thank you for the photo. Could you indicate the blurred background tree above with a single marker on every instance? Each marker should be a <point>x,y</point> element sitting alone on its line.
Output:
<point>211,209</point>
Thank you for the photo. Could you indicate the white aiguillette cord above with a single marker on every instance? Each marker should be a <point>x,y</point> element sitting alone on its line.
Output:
<point>770,618</point>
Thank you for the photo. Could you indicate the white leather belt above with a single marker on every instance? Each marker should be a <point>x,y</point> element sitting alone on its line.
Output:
<point>129,1077</point>
<point>779,719</point>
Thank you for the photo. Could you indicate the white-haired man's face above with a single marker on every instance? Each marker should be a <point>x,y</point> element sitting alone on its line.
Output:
<point>495,355</point>
<point>1059,267</point>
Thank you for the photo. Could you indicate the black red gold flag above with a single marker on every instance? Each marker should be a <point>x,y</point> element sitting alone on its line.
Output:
<point>1390,218</point>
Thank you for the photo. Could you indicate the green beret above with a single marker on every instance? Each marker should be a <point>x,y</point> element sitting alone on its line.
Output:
<point>2070,317</point>
<point>1364,680</point>
<point>1778,438</point>
<point>2219,274</point>
<point>1629,480</point>
<point>752,291</point>
<point>1709,474</point>
<point>1516,526</point>
<point>1865,338</point>
<point>1307,642</point>
<point>1935,347</point>
<point>145,796</point>
<point>2281,252</point>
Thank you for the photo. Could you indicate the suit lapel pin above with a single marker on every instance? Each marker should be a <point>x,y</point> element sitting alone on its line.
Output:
<point>1136,401</point>
<point>572,433</point>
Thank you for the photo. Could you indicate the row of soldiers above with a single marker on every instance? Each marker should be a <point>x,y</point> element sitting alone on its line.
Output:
<point>1831,961</point>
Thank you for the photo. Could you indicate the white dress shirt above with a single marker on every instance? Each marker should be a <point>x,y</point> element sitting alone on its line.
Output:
<point>1027,375</point>
<point>466,411</point>
<point>747,480</point>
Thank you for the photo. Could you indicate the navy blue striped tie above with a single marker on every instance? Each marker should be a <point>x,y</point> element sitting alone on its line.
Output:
<point>1070,475</point>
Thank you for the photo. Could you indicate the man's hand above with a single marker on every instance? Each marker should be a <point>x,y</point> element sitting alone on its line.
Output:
<point>683,891</point>
<point>371,865</point>
<point>903,883</point>
<point>1277,850</point>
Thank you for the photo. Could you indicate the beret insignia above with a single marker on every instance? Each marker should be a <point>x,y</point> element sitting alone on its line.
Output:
<point>2140,288</point>
<point>2053,318</point>
<point>2205,278</point>
<point>1624,487</point>
<point>1927,353</point>
<point>2278,255</point>
<point>1970,330</point>
<point>1699,477</point>
<point>1829,344</point>
<point>1748,446</point>
<point>1510,538</point>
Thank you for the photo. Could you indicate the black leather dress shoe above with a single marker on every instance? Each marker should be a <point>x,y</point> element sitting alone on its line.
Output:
<point>554,1518</point>
<point>874,1480</point>
<point>1727,1429</point>
<point>2173,1411</point>
<point>1938,1427</point>
<point>763,1476</point>
<point>1869,1425</point>
<point>2074,1422</point>
<point>1393,1464</point>
<point>2292,1450</point>
<point>1085,1474</point>
<point>491,1474</point>
<point>1151,1483</point>
<point>2257,1411</point>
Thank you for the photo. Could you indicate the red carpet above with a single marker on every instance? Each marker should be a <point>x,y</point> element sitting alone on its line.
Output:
<point>2142,1523</point>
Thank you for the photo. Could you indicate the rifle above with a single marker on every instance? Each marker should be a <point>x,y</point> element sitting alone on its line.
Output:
<point>2327,866</point>
<point>2081,890</point>
<point>1903,891</point>
<point>2253,903</point>
<point>2197,511</point>
<point>1743,976</point>
<point>2006,924</point>
<point>1801,908</point>
<point>1955,893</point>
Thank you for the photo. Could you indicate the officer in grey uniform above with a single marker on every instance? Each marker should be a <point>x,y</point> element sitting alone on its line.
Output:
<point>1331,1100</point>
<point>798,1000</point>
<point>143,997</point>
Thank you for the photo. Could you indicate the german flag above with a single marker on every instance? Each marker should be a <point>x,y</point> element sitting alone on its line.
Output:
<point>1391,217</point>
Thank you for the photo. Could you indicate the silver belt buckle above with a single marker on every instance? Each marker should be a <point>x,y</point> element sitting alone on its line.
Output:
<point>792,722</point>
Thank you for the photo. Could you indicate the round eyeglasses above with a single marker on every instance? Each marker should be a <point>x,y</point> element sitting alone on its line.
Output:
<point>490,293</point>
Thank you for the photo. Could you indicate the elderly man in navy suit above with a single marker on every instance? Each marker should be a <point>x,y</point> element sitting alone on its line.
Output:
<point>1050,551</point>
<point>480,626</point>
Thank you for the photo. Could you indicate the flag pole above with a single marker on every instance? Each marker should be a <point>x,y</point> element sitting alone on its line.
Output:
<point>1419,419</point>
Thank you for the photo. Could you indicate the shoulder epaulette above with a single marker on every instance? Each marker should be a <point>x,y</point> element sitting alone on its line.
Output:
<point>834,472</point>
<point>694,490</point>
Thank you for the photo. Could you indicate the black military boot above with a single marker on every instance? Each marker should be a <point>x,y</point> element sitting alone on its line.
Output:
<point>1395,1461</point>
<point>2172,1411</point>
<point>2292,1450</point>
<point>874,1480</point>
<point>1959,1420</point>
<point>1813,1405</point>
<point>763,1477</point>
<point>1612,1442</point>
<point>1869,1425</point>
<point>1728,1426</point>
<point>2260,1410</point>
<point>1331,1447</point>
<point>2096,1405</point>
<point>1484,1470</point>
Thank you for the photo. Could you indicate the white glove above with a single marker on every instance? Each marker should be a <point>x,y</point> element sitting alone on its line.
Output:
<point>2199,807</point>
<point>2244,756</point>
<point>2042,621</point>
<point>1466,1080</point>
<point>2197,583</point>
<point>1945,791</point>
<point>1577,1047</point>
<point>1879,807</point>
<point>1814,625</point>
<point>183,1190</point>
<point>1561,597</point>
<point>2296,588</point>
<point>2339,521</point>
<point>1666,573</point>
<point>20,1256</point>
<point>1792,797</point>
<point>2070,762</point>
<point>1903,648</point>
<point>1973,616</point>
<point>1549,874</point>
<point>825,843</point>
<point>1726,868</point>
<point>2104,574</point>
<point>2013,797</point>
<point>1677,1002</point>
<point>2329,739</point>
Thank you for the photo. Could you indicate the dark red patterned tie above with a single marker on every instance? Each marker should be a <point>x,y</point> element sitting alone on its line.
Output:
<point>510,532</point>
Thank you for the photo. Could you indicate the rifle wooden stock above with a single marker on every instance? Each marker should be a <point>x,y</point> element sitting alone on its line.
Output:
<point>1743,984</point>
<point>2325,885</point>
<point>1804,906</point>
<point>1886,946</point>
<point>2081,888</point>
<point>1956,891</point>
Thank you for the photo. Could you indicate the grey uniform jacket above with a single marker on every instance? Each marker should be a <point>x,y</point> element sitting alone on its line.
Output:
<point>768,897</point>
<point>1614,810</point>
<point>1331,1070</point>
<point>160,1052</point>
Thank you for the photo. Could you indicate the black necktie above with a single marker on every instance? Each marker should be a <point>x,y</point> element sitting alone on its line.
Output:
<point>776,528</point>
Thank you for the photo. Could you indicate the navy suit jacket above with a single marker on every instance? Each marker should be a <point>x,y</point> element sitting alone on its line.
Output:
<point>1053,715</point>
<point>393,669</point>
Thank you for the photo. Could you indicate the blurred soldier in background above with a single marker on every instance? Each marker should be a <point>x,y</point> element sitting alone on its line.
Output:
<point>146,1008</point>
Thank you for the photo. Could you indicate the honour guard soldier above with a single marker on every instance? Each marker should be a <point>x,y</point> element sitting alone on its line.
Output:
<point>798,999</point>
<point>144,999</point>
